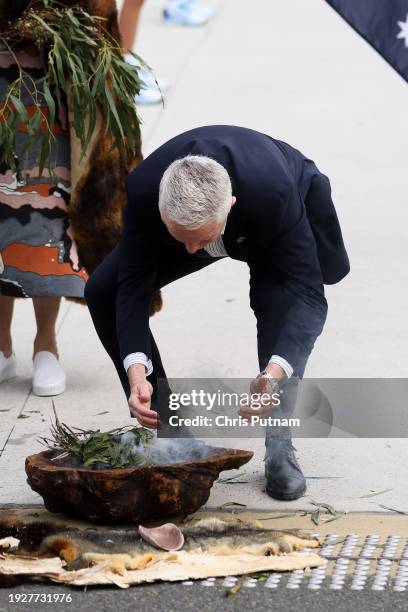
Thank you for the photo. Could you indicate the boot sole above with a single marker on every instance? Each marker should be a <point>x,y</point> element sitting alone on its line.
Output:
<point>282,497</point>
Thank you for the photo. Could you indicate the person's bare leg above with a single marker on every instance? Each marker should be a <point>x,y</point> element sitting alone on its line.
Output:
<point>6,316</point>
<point>129,21</point>
<point>46,312</point>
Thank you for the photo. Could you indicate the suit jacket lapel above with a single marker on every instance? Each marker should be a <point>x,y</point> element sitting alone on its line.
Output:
<point>236,236</point>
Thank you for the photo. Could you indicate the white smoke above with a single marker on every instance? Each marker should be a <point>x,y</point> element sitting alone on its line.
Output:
<point>168,450</point>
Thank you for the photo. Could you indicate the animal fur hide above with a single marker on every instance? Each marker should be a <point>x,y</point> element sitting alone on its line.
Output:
<point>212,548</point>
<point>98,181</point>
<point>98,193</point>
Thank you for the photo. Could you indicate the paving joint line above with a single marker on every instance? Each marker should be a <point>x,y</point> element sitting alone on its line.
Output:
<point>207,31</point>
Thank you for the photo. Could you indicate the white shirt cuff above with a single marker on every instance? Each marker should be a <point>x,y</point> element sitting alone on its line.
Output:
<point>138,358</point>
<point>286,367</point>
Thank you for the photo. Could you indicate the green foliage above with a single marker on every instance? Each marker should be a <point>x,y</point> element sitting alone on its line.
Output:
<point>89,447</point>
<point>82,61</point>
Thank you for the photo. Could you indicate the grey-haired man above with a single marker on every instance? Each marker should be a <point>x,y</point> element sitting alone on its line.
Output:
<point>213,192</point>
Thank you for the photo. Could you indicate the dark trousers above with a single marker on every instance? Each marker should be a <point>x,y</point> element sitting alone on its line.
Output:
<point>175,263</point>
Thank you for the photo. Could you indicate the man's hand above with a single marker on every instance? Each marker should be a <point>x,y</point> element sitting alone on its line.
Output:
<point>140,397</point>
<point>261,386</point>
<point>139,404</point>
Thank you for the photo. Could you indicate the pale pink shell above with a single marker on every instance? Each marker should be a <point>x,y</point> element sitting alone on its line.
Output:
<point>166,537</point>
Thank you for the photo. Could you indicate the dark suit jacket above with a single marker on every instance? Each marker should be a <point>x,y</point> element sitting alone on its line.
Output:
<point>283,224</point>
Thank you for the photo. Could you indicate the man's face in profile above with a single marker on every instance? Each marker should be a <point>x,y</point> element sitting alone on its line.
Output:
<point>198,238</point>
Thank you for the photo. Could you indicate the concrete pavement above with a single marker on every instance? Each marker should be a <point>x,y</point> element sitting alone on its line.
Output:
<point>296,71</point>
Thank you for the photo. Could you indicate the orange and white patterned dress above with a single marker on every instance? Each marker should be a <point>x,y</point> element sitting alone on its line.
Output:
<point>38,254</point>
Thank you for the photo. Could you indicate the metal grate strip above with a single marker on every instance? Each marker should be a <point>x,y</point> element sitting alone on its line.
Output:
<point>353,562</point>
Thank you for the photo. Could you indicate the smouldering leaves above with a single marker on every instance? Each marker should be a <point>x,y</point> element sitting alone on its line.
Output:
<point>90,448</point>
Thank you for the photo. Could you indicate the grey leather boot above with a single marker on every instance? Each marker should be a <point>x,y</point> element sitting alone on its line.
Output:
<point>284,477</point>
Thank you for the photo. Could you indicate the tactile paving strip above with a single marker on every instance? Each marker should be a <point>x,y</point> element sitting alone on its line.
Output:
<point>352,562</point>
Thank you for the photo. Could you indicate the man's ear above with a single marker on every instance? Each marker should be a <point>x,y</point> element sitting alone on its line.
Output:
<point>233,200</point>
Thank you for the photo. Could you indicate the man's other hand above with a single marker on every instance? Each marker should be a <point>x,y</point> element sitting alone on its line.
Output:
<point>140,405</point>
<point>260,386</point>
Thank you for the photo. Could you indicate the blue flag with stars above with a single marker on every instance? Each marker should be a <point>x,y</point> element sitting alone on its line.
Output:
<point>383,24</point>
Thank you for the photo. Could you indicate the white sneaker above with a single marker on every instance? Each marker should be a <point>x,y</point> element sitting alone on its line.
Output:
<point>8,367</point>
<point>187,13</point>
<point>48,375</point>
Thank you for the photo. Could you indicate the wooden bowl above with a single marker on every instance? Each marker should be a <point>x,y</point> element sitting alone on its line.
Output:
<point>129,494</point>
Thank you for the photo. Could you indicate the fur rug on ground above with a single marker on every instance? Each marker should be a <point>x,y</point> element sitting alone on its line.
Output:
<point>213,547</point>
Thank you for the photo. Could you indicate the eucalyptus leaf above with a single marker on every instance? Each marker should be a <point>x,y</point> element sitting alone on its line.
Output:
<point>315,516</point>
<point>327,507</point>
<point>112,107</point>
<point>393,509</point>
<point>44,154</point>
<point>234,589</point>
<point>375,493</point>
<point>20,108</point>
<point>50,103</point>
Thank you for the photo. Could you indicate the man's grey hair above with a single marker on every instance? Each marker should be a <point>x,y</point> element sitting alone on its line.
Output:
<point>193,190</point>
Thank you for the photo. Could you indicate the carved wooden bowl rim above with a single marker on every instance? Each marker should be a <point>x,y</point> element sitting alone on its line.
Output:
<point>42,461</point>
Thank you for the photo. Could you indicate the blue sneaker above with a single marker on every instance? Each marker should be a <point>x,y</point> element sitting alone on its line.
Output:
<point>150,81</point>
<point>148,96</point>
<point>187,13</point>
<point>152,92</point>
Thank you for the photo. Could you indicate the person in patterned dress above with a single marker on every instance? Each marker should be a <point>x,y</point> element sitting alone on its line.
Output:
<point>40,217</point>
